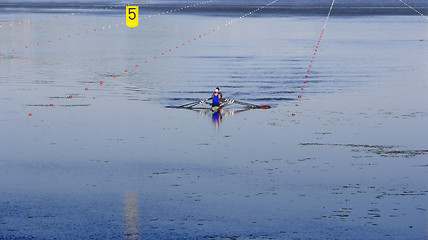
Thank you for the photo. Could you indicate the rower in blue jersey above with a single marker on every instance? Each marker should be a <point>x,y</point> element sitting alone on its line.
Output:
<point>217,97</point>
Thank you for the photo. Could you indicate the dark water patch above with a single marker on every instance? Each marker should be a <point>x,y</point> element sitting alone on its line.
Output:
<point>137,99</point>
<point>267,86</point>
<point>191,92</point>
<point>221,57</point>
<point>271,99</point>
<point>43,82</point>
<point>402,153</point>
<point>381,150</point>
<point>230,86</point>
<point>389,114</point>
<point>404,193</point>
<point>62,105</point>
<point>182,99</point>
<point>74,105</point>
<point>38,105</point>
<point>293,60</point>
<point>348,145</point>
<point>88,82</point>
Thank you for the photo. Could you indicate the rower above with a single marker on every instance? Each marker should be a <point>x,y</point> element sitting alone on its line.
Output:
<point>217,96</point>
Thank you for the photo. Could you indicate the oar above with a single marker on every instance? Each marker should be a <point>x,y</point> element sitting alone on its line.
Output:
<point>247,104</point>
<point>189,105</point>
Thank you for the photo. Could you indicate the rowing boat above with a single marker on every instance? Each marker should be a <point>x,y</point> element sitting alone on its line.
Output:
<point>218,108</point>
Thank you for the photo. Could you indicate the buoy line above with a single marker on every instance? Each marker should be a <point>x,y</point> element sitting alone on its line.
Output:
<point>422,15</point>
<point>315,51</point>
<point>94,29</point>
<point>195,38</point>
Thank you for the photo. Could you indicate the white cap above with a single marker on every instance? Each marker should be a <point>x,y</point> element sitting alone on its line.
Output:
<point>216,90</point>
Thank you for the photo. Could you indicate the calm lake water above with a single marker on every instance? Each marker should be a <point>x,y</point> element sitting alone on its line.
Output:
<point>113,162</point>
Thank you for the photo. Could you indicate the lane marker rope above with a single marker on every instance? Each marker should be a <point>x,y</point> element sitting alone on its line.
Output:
<point>315,51</point>
<point>422,15</point>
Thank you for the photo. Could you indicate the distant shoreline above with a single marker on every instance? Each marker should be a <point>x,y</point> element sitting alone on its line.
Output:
<point>209,9</point>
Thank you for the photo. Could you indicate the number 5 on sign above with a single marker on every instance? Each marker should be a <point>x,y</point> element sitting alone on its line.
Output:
<point>132,16</point>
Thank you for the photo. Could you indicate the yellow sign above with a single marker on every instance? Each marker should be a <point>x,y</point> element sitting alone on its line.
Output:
<point>132,16</point>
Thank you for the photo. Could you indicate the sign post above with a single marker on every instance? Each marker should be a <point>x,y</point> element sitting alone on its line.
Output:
<point>132,16</point>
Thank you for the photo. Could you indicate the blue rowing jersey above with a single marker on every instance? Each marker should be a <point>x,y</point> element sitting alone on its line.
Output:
<point>216,99</point>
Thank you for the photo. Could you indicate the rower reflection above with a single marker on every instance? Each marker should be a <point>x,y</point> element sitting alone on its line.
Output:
<point>131,217</point>
<point>217,118</point>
